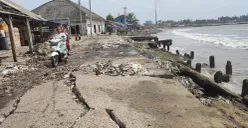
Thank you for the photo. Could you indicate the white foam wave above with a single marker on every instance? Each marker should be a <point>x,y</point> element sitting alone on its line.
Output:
<point>218,40</point>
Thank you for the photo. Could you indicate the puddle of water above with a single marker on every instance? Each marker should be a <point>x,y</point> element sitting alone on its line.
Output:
<point>128,50</point>
<point>132,52</point>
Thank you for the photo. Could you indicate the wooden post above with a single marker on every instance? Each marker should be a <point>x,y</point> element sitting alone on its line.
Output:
<point>40,29</point>
<point>12,37</point>
<point>226,78</point>
<point>156,39</point>
<point>229,68</point>
<point>185,55</point>
<point>189,62</point>
<point>198,67</point>
<point>218,77</point>
<point>168,48</point>
<point>164,47</point>
<point>178,53</point>
<point>192,54</point>
<point>30,39</point>
<point>211,61</point>
<point>245,88</point>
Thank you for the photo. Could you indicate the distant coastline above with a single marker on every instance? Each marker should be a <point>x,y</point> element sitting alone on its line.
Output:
<point>206,25</point>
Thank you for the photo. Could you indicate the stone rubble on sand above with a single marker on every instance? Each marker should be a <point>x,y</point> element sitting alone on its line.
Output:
<point>12,69</point>
<point>168,65</point>
<point>206,101</point>
<point>108,68</point>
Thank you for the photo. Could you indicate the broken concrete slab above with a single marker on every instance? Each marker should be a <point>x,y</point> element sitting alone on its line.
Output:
<point>8,108</point>
<point>96,119</point>
<point>145,101</point>
<point>50,105</point>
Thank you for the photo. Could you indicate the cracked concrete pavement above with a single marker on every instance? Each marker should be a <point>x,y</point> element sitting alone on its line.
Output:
<point>143,101</point>
<point>114,102</point>
<point>50,105</point>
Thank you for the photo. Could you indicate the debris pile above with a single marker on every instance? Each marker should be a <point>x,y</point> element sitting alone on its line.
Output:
<point>206,101</point>
<point>108,68</point>
<point>12,69</point>
<point>222,99</point>
<point>187,82</point>
<point>42,49</point>
<point>170,66</point>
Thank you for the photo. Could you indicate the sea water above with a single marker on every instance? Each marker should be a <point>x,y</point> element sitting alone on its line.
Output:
<point>228,42</point>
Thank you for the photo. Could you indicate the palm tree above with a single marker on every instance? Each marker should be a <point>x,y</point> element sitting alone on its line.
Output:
<point>110,17</point>
<point>132,19</point>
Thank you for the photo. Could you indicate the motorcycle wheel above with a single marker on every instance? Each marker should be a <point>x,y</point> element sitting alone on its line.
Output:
<point>55,60</point>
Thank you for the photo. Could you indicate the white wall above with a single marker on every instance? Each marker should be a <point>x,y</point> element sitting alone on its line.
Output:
<point>102,27</point>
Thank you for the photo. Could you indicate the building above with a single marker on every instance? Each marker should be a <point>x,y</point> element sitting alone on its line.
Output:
<point>121,19</point>
<point>112,26</point>
<point>148,23</point>
<point>68,12</point>
<point>18,27</point>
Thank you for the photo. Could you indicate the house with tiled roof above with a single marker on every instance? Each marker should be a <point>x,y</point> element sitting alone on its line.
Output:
<point>68,12</point>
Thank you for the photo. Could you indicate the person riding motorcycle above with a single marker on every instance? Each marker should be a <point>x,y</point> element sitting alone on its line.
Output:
<point>59,40</point>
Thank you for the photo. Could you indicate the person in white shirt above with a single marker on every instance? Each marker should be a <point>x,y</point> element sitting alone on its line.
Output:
<point>60,40</point>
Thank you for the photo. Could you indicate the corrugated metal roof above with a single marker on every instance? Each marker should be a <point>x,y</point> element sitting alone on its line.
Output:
<point>22,10</point>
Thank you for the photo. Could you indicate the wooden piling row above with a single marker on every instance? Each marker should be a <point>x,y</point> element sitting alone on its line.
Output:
<point>219,77</point>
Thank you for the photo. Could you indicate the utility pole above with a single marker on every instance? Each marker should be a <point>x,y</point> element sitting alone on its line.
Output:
<point>90,18</point>
<point>125,19</point>
<point>81,17</point>
<point>156,14</point>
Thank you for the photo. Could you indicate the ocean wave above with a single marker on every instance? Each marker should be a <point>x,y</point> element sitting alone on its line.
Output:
<point>218,40</point>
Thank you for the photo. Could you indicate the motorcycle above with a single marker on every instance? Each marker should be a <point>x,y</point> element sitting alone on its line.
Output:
<point>57,55</point>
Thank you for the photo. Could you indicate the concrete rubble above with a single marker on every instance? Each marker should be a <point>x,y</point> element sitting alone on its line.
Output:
<point>108,68</point>
<point>42,49</point>
<point>15,68</point>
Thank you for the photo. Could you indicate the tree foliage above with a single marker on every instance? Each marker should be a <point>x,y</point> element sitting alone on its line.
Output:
<point>110,17</point>
<point>132,18</point>
<point>202,22</point>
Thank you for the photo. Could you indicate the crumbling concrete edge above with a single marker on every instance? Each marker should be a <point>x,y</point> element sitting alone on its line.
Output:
<point>80,98</point>
<point>115,119</point>
<point>15,106</point>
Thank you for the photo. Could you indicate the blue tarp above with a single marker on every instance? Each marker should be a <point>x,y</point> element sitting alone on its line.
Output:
<point>48,21</point>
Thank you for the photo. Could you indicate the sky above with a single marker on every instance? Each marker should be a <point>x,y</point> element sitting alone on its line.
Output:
<point>167,9</point>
